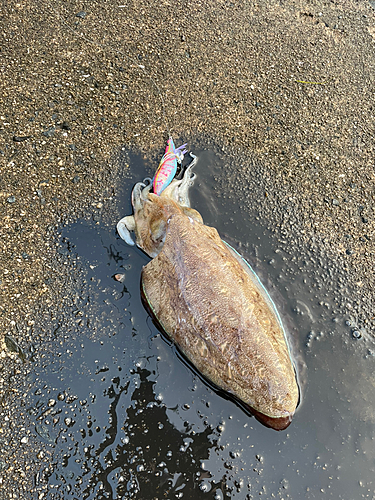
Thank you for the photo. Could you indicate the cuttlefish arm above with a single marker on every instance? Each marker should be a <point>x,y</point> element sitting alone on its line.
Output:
<point>142,201</point>
<point>178,190</point>
<point>124,226</point>
<point>127,224</point>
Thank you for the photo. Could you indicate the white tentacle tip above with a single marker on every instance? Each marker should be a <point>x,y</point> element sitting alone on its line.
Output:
<point>124,233</point>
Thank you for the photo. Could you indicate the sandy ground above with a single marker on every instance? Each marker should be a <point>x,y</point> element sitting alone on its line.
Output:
<point>289,84</point>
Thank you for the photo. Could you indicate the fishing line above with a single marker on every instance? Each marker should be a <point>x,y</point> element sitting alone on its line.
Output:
<point>104,47</point>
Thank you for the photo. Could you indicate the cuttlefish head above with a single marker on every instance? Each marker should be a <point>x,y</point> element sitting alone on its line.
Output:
<point>152,212</point>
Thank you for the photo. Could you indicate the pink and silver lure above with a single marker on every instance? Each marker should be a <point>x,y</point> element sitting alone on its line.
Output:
<point>168,166</point>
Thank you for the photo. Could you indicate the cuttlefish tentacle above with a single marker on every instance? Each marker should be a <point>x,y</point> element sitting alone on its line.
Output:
<point>124,226</point>
<point>187,182</point>
<point>178,189</point>
<point>140,195</point>
<point>145,191</point>
<point>136,194</point>
<point>127,224</point>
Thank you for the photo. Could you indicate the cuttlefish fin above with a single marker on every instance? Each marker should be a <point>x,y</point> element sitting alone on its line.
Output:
<point>124,226</point>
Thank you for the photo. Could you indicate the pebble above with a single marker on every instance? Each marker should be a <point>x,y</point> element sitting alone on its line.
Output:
<point>204,487</point>
<point>11,199</point>
<point>284,484</point>
<point>119,277</point>
<point>43,431</point>
<point>63,251</point>
<point>356,334</point>
<point>17,138</point>
<point>49,133</point>
<point>13,346</point>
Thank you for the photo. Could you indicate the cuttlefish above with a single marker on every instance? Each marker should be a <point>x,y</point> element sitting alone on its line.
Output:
<point>209,301</point>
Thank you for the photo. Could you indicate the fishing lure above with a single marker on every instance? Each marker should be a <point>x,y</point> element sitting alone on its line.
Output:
<point>168,166</point>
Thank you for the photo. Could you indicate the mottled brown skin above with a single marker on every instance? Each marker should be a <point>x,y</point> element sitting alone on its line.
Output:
<point>278,423</point>
<point>208,303</point>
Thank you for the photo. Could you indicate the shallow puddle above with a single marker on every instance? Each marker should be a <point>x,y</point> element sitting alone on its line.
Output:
<point>122,416</point>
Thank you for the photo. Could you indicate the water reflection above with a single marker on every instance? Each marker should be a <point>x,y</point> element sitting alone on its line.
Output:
<point>145,456</point>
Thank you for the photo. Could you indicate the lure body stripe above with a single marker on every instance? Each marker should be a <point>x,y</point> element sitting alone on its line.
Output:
<point>168,166</point>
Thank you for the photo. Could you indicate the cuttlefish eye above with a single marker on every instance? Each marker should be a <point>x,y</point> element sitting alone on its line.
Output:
<point>157,230</point>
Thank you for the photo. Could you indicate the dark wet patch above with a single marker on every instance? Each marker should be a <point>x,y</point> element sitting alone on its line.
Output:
<point>121,416</point>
